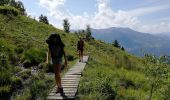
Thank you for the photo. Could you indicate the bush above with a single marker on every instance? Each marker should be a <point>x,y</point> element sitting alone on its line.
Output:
<point>19,50</point>
<point>48,68</point>
<point>25,74</point>
<point>5,78</point>
<point>5,92</point>
<point>70,57</point>
<point>37,88</point>
<point>35,56</point>
<point>27,63</point>
<point>16,83</point>
<point>8,10</point>
<point>40,86</point>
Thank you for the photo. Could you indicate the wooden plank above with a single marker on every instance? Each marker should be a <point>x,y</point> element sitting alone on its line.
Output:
<point>70,82</point>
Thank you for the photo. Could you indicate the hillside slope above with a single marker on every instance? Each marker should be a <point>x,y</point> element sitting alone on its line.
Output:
<point>22,45</point>
<point>111,73</point>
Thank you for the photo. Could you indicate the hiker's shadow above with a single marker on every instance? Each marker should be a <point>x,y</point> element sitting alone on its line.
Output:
<point>64,96</point>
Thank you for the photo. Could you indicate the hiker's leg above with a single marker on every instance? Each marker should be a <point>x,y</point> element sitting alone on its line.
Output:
<point>82,55</point>
<point>57,75</point>
<point>79,55</point>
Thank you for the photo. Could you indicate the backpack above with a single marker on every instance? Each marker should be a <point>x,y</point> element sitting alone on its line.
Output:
<point>56,51</point>
<point>80,45</point>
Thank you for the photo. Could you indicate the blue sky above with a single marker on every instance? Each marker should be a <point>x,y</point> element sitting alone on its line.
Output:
<point>151,16</point>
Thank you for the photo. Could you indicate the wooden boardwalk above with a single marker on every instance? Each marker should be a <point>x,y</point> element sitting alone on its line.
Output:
<point>70,82</point>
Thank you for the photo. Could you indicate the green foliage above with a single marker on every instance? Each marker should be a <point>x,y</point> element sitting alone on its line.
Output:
<point>66,26</point>
<point>16,83</point>
<point>12,4</point>
<point>40,86</point>
<point>43,19</point>
<point>157,74</point>
<point>88,33</point>
<point>25,74</point>
<point>116,44</point>
<point>34,56</point>
<point>110,73</point>
<point>3,2</point>
<point>10,11</point>
<point>5,92</point>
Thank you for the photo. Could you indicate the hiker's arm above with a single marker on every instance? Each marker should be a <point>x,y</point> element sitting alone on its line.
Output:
<point>48,56</point>
<point>65,57</point>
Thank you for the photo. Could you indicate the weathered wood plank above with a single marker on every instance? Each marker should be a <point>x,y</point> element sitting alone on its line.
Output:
<point>70,82</point>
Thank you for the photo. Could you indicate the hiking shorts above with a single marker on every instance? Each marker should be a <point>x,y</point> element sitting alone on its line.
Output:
<point>55,61</point>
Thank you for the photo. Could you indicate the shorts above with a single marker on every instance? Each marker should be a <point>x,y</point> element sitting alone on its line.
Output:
<point>80,49</point>
<point>56,61</point>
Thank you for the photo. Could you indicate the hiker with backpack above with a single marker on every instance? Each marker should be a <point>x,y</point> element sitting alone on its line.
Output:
<point>55,54</point>
<point>80,48</point>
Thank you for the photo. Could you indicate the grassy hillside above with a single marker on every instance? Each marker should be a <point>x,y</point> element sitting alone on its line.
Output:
<point>22,43</point>
<point>114,74</point>
<point>110,73</point>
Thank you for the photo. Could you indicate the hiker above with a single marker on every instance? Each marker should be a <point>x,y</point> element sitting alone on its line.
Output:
<point>55,54</point>
<point>80,48</point>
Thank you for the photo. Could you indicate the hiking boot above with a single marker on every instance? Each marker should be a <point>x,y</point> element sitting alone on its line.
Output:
<point>61,91</point>
<point>57,90</point>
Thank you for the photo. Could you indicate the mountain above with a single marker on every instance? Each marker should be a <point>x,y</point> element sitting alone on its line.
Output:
<point>111,73</point>
<point>134,42</point>
<point>163,35</point>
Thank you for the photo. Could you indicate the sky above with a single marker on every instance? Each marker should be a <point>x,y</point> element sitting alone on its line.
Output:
<point>149,16</point>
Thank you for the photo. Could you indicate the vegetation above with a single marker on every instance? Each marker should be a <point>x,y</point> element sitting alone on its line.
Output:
<point>66,26</point>
<point>114,74</point>
<point>117,45</point>
<point>88,33</point>
<point>16,4</point>
<point>43,19</point>
<point>22,44</point>
<point>110,73</point>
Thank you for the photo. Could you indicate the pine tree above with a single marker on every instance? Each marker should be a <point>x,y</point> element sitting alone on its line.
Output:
<point>66,26</point>
<point>116,44</point>
<point>122,48</point>
<point>88,33</point>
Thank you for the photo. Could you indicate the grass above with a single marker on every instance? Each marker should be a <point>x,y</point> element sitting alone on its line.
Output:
<point>121,74</point>
<point>110,73</point>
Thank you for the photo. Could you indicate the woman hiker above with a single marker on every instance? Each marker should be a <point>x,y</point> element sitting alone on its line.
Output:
<point>55,54</point>
<point>80,48</point>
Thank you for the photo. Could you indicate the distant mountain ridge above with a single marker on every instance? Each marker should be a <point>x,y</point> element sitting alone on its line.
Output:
<point>137,43</point>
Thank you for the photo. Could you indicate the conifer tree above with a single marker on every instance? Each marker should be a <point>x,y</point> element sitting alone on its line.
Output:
<point>66,26</point>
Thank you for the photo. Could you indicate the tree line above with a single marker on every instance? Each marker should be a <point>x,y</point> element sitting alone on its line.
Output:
<point>117,45</point>
<point>16,4</point>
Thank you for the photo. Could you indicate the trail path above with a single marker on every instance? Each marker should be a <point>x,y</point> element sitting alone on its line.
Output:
<point>70,82</point>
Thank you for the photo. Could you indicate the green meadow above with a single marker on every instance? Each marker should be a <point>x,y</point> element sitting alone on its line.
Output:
<point>110,74</point>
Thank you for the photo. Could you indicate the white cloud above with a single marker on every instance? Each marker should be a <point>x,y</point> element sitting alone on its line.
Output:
<point>104,17</point>
<point>147,10</point>
<point>162,27</point>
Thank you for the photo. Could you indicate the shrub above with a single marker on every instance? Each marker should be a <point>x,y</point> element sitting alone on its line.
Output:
<point>16,83</point>
<point>27,63</point>
<point>19,50</point>
<point>5,92</point>
<point>35,56</point>
<point>48,68</point>
<point>5,78</point>
<point>37,88</point>
<point>8,10</point>
<point>70,57</point>
<point>25,74</point>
